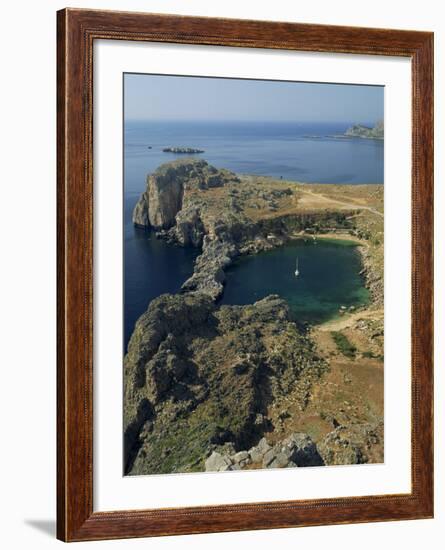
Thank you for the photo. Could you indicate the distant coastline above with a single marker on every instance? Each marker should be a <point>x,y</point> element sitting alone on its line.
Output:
<point>361,131</point>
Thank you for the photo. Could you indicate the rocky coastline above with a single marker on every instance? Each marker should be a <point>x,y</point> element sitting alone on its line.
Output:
<point>365,132</point>
<point>173,206</point>
<point>200,378</point>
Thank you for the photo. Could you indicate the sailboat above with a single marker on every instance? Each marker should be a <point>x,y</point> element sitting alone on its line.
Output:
<point>296,269</point>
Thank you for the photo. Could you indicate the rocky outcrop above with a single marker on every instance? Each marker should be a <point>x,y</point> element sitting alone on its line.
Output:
<point>373,276</point>
<point>168,186</point>
<point>182,150</point>
<point>354,444</point>
<point>198,377</point>
<point>208,275</point>
<point>140,212</point>
<point>358,130</point>
<point>297,450</point>
<point>189,229</point>
<point>343,446</point>
<point>157,366</point>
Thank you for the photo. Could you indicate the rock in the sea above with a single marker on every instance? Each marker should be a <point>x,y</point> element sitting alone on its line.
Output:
<point>182,150</point>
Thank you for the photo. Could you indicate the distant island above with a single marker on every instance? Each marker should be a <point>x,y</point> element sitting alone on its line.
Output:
<point>182,150</point>
<point>355,131</point>
<point>360,131</point>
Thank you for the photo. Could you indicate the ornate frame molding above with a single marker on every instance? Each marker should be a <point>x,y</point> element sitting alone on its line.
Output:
<point>76,32</point>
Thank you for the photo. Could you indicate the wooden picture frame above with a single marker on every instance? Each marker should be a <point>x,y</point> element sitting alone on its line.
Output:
<point>77,31</point>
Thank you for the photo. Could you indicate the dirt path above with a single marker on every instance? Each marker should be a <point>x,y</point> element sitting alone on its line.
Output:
<point>310,199</point>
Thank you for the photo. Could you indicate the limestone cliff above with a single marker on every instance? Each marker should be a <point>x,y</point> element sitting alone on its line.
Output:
<point>140,212</point>
<point>167,187</point>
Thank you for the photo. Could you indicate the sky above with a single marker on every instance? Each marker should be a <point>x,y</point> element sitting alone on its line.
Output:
<point>162,97</point>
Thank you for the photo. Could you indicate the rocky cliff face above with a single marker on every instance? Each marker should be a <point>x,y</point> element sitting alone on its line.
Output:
<point>167,187</point>
<point>140,212</point>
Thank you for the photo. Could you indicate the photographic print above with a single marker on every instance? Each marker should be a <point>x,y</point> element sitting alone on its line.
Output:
<point>253,274</point>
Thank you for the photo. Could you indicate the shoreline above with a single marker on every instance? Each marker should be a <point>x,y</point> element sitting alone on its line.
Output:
<point>192,204</point>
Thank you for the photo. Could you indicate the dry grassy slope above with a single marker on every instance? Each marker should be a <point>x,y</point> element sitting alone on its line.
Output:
<point>261,198</point>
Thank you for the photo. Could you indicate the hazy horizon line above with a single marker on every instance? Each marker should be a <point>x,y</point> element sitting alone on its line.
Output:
<point>282,121</point>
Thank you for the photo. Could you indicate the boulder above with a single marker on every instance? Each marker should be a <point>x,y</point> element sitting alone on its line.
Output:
<point>281,460</point>
<point>298,449</point>
<point>256,453</point>
<point>269,456</point>
<point>218,463</point>
<point>242,458</point>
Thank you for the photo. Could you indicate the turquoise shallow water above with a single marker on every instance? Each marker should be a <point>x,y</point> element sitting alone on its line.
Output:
<point>329,278</point>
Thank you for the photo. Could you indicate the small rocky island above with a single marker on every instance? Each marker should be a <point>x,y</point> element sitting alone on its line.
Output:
<point>182,150</point>
<point>212,387</point>
<point>360,131</point>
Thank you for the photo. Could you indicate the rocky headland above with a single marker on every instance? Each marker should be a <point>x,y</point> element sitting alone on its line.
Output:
<point>210,387</point>
<point>360,131</point>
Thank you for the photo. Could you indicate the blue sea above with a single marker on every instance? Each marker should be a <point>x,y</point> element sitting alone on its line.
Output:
<point>266,148</point>
<point>296,152</point>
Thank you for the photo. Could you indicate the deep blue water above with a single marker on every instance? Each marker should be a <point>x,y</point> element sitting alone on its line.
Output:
<point>153,267</point>
<point>268,148</point>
